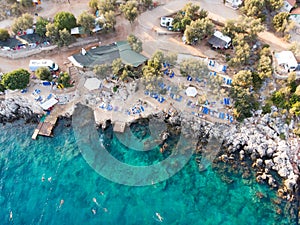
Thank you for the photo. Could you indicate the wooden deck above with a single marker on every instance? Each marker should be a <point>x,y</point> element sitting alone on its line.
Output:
<point>45,127</point>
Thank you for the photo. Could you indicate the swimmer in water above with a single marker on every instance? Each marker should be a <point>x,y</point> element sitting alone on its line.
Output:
<point>159,217</point>
<point>95,200</point>
<point>105,209</point>
<point>61,203</point>
<point>94,211</point>
<point>43,178</point>
<point>10,216</point>
<point>50,179</point>
<point>101,193</point>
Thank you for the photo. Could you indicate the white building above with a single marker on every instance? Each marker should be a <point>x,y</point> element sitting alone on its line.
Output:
<point>286,60</point>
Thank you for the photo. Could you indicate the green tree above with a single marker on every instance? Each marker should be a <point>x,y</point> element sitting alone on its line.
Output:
<point>117,65</point>
<point>64,79</point>
<point>135,43</point>
<point>129,10</point>
<point>241,50</point>
<point>194,68</point>
<point>41,24</point>
<point>43,73</point>
<point>274,5</point>
<point>87,21</point>
<point>188,14</point>
<point>253,8</point>
<point>17,79</point>
<point>65,38</point>
<point>4,35</point>
<point>22,23</point>
<point>264,67</point>
<point>52,32</point>
<point>102,71</point>
<point>295,109</point>
<point>282,23</point>
<point>110,20</point>
<point>106,6</point>
<point>171,58</point>
<point>198,30</point>
<point>64,20</point>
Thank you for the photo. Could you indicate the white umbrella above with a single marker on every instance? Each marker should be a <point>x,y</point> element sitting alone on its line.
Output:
<point>191,91</point>
<point>92,84</point>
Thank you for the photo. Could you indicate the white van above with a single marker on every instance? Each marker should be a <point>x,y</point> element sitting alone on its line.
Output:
<point>35,64</point>
<point>166,21</point>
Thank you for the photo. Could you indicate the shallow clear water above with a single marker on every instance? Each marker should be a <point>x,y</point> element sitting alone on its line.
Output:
<point>189,197</point>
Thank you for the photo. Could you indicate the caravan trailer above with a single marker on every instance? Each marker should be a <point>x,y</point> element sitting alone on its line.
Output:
<point>35,64</point>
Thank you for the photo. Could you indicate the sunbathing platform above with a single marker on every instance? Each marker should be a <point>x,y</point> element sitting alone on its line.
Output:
<point>119,127</point>
<point>45,126</point>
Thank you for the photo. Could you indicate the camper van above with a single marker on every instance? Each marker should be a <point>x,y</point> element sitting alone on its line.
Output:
<point>35,64</point>
<point>166,21</point>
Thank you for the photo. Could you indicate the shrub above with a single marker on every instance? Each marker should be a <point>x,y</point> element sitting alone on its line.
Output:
<point>17,79</point>
<point>43,73</point>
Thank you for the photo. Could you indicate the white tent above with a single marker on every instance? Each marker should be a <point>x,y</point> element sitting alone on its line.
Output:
<point>92,84</point>
<point>191,91</point>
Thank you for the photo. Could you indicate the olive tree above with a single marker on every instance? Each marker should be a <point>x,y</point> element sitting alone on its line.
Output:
<point>198,30</point>
<point>43,73</point>
<point>22,23</point>
<point>129,10</point>
<point>253,8</point>
<point>41,24</point>
<point>102,71</point>
<point>194,68</point>
<point>87,21</point>
<point>135,43</point>
<point>282,23</point>
<point>110,20</point>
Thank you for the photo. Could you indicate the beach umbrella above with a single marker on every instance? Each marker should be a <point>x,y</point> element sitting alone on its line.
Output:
<point>92,84</point>
<point>191,91</point>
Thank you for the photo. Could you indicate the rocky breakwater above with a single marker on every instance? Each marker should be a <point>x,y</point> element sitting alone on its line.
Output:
<point>273,151</point>
<point>12,109</point>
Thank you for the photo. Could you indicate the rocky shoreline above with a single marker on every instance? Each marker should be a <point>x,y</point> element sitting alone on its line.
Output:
<point>263,140</point>
<point>13,109</point>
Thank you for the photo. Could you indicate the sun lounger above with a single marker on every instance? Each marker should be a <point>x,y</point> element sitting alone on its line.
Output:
<point>189,78</point>
<point>172,75</point>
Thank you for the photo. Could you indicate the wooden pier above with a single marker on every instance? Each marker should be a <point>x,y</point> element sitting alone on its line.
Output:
<point>45,127</point>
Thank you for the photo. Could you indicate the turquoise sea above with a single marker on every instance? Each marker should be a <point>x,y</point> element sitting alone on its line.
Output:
<point>76,194</point>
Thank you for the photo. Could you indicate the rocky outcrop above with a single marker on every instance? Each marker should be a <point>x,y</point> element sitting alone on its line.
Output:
<point>272,149</point>
<point>16,108</point>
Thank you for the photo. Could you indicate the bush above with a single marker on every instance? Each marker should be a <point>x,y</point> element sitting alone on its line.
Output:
<point>43,73</point>
<point>17,79</point>
<point>64,79</point>
<point>4,35</point>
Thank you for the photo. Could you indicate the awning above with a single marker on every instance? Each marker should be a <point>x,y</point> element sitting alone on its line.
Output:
<point>191,91</point>
<point>48,104</point>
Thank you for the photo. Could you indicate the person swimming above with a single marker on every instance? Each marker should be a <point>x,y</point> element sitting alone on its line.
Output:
<point>159,217</point>
<point>43,178</point>
<point>94,211</point>
<point>49,179</point>
<point>95,200</point>
<point>10,216</point>
<point>101,193</point>
<point>61,203</point>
